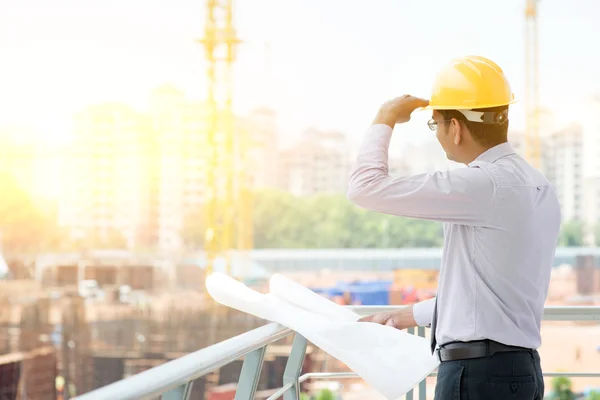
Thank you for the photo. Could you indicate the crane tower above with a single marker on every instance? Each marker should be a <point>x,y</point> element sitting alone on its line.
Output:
<point>532,139</point>
<point>220,42</point>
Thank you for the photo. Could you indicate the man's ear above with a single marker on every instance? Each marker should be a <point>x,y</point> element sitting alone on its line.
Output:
<point>457,131</point>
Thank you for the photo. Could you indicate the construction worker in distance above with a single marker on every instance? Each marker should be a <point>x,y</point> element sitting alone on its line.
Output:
<point>501,222</point>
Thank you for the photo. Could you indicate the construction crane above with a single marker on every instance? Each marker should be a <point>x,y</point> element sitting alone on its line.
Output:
<point>222,185</point>
<point>532,138</point>
<point>228,199</point>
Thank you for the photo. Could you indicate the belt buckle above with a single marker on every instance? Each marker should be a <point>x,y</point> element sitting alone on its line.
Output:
<point>438,351</point>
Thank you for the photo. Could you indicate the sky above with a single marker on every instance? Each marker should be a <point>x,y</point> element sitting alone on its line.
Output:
<point>331,62</point>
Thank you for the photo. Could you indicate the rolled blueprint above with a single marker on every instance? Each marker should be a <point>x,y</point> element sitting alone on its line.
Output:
<point>390,360</point>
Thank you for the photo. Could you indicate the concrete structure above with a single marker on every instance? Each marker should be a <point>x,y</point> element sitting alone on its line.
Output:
<point>591,137</point>
<point>587,275</point>
<point>259,131</point>
<point>591,169</point>
<point>142,176</point>
<point>135,175</point>
<point>319,163</point>
<point>104,195</point>
<point>591,206</point>
<point>177,181</point>
<point>563,165</point>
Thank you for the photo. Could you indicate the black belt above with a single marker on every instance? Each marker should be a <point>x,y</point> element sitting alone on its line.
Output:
<point>477,349</point>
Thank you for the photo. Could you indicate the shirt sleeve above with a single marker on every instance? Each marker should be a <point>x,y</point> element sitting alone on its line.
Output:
<point>461,196</point>
<point>423,312</point>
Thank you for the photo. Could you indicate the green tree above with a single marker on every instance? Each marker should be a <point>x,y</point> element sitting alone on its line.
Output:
<point>571,234</point>
<point>331,221</point>
<point>562,389</point>
<point>594,395</point>
<point>280,220</point>
<point>325,394</point>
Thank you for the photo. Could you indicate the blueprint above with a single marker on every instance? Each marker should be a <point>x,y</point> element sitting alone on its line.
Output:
<point>390,360</point>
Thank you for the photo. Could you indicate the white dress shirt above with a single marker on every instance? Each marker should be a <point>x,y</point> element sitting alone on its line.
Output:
<point>501,222</point>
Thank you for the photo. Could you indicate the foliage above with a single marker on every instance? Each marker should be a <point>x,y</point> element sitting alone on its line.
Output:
<point>562,389</point>
<point>280,219</point>
<point>594,395</point>
<point>571,234</point>
<point>284,221</point>
<point>331,221</point>
<point>325,394</point>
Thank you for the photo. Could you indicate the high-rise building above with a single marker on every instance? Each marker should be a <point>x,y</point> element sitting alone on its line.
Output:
<point>104,191</point>
<point>591,169</point>
<point>318,163</point>
<point>177,183</point>
<point>259,143</point>
<point>591,138</point>
<point>33,164</point>
<point>142,176</point>
<point>563,166</point>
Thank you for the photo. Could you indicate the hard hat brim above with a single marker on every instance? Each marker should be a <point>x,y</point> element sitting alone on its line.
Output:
<point>463,107</point>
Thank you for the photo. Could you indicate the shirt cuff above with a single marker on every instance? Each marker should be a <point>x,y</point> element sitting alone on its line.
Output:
<point>423,312</point>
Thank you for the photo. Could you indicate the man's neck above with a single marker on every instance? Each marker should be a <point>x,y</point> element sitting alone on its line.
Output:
<point>477,151</point>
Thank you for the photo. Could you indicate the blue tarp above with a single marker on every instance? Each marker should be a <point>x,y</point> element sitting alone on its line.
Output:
<point>375,293</point>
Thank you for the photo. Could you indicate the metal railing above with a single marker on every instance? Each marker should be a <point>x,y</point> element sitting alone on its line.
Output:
<point>173,380</point>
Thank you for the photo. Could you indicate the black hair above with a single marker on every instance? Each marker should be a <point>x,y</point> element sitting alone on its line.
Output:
<point>487,135</point>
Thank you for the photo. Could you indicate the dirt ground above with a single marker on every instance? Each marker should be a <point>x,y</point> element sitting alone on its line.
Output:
<point>560,344</point>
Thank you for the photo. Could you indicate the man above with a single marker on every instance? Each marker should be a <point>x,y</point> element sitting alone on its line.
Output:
<point>501,222</point>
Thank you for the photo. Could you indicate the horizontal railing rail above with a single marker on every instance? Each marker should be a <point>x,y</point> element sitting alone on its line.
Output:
<point>175,376</point>
<point>173,380</point>
<point>551,313</point>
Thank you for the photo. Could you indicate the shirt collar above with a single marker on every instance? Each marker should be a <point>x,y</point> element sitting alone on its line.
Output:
<point>495,153</point>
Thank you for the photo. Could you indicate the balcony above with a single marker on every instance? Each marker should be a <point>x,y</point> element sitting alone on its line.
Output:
<point>174,380</point>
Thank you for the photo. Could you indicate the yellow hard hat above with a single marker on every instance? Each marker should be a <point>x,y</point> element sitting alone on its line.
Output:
<point>470,82</point>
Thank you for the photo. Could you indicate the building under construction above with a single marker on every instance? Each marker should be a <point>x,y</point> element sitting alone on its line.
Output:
<point>68,333</point>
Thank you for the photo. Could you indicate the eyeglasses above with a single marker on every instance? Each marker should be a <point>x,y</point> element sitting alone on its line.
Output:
<point>433,124</point>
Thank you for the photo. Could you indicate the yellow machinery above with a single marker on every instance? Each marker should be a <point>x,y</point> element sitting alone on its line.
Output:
<point>228,196</point>
<point>533,147</point>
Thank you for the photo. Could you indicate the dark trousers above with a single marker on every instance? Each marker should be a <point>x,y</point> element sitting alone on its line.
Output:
<point>503,376</point>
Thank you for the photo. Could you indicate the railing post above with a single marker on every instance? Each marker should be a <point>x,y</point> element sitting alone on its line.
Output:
<point>179,393</point>
<point>293,367</point>
<point>250,375</point>
<point>410,394</point>
<point>423,383</point>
